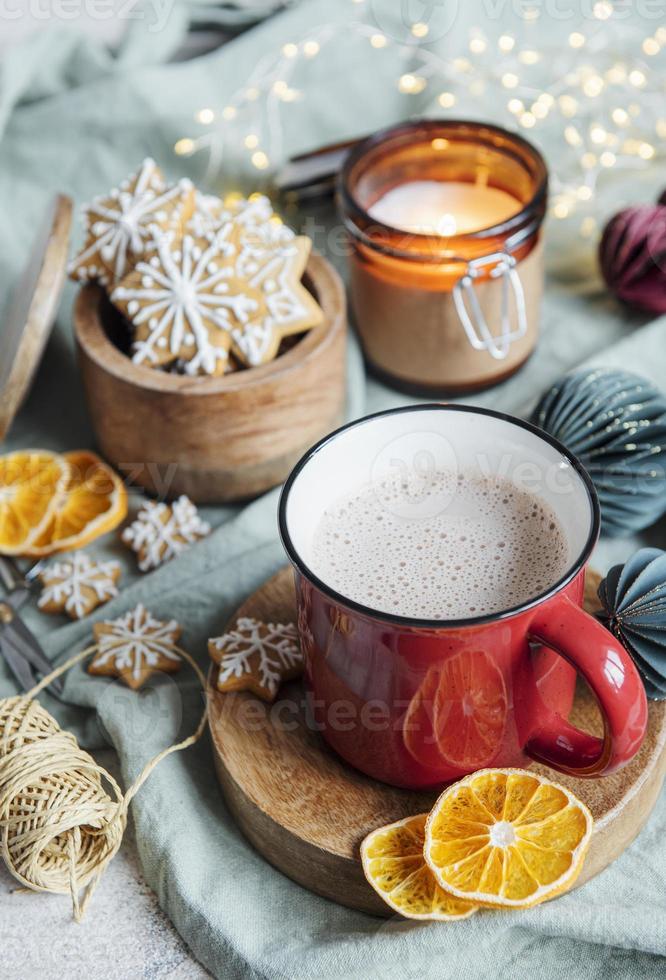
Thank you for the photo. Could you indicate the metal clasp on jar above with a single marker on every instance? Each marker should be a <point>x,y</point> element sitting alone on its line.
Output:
<point>470,312</point>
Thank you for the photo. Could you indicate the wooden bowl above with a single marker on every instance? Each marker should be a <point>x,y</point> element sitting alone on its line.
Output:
<point>215,439</point>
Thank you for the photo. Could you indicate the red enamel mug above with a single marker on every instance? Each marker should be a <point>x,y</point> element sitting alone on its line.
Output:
<point>418,703</point>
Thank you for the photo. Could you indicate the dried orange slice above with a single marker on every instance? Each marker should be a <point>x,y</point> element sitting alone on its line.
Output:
<point>457,716</point>
<point>507,837</point>
<point>92,502</point>
<point>30,481</point>
<point>394,865</point>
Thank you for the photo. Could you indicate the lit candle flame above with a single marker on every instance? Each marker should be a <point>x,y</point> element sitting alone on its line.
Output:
<point>447,225</point>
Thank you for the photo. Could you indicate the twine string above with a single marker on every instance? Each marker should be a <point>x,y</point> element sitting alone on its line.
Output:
<point>63,816</point>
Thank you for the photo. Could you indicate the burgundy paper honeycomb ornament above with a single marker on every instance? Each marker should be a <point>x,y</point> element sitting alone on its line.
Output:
<point>632,254</point>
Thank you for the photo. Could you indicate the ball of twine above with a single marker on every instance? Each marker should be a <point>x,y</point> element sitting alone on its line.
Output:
<point>59,825</point>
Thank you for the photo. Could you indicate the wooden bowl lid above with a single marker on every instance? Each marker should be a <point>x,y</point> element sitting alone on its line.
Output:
<point>32,309</point>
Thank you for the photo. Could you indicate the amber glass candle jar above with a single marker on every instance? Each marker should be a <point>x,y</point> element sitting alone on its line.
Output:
<point>449,305</point>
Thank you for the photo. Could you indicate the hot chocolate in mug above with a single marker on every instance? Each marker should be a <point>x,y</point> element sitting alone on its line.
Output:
<point>419,701</point>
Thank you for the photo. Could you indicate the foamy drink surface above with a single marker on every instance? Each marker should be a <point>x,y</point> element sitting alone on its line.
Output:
<point>443,547</point>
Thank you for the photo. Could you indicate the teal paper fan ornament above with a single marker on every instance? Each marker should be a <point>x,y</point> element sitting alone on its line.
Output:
<point>634,601</point>
<point>615,423</point>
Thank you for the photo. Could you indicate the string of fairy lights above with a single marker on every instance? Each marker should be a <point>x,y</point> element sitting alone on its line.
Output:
<point>595,104</point>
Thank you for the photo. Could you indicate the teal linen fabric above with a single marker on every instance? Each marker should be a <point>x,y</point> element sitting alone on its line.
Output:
<point>74,118</point>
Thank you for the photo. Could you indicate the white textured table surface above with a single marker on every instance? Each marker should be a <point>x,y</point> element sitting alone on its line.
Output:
<point>124,934</point>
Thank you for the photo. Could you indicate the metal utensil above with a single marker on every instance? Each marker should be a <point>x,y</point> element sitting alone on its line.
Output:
<point>18,645</point>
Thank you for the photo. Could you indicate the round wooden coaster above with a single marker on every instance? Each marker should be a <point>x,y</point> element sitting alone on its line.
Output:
<point>307,812</point>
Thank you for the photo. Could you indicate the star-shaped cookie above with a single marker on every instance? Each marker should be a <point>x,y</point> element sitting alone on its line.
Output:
<point>162,531</point>
<point>207,215</point>
<point>135,646</point>
<point>254,213</point>
<point>267,260</point>
<point>77,585</point>
<point>118,225</point>
<point>184,303</point>
<point>287,308</point>
<point>257,657</point>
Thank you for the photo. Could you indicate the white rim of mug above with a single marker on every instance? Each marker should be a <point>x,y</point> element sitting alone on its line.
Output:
<point>440,624</point>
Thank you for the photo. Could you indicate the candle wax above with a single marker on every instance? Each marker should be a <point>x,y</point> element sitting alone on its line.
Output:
<point>437,207</point>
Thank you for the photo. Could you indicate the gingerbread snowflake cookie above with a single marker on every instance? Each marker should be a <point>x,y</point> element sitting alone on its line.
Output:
<point>287,307</point>
<point>257,657</point>
<point>163,531</point>
<point>184,304</point>
<point>209,212</point>
<point>260,229</point>
<point>135,646</point>
<point>240,215</point>
<point>77,585</point>
<point>118,225</point>
<point>266,258</point>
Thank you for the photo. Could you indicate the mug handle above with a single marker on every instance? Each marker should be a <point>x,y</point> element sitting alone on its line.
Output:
<point>613,679</point>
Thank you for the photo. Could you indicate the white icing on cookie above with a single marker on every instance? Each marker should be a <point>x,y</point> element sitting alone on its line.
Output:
<point>208,214</point>
<point>270,649</point>
<point>255,341</point>
<point>233,282</point>
<point>118,223</point>
<point>184,291</point>
<point>278,278</point>
<point>162,531</point>
<point>68,584</point>
<point>134,642</point>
